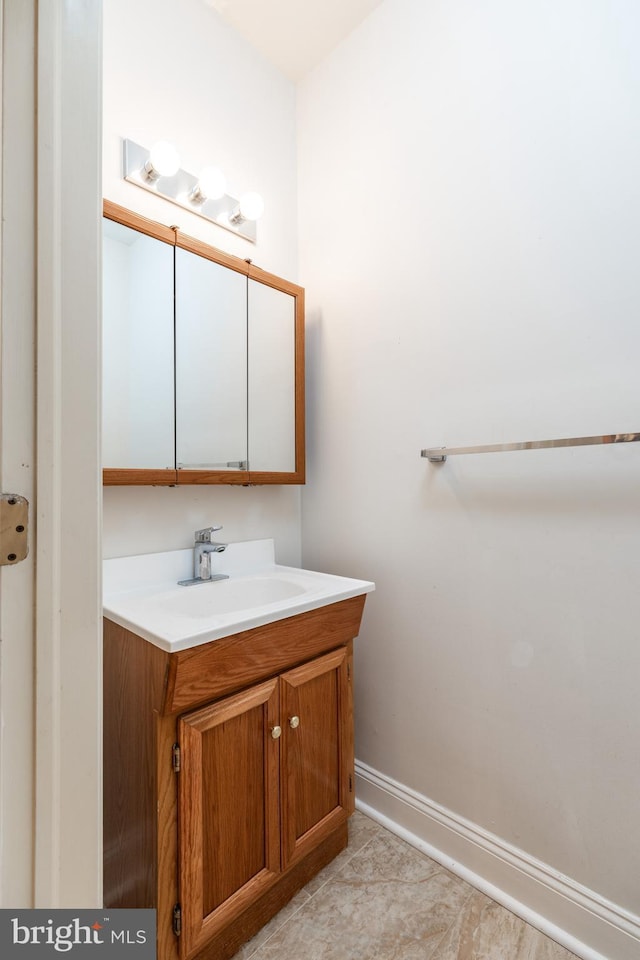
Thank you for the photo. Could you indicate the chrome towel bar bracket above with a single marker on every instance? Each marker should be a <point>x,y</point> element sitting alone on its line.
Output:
<point>440,454</point>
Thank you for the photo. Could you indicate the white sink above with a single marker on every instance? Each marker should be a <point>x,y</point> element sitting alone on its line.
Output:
<point>142,594</point>
<point>229,596</point>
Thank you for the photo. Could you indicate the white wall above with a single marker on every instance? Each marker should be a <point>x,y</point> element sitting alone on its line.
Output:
<point>470,225</point>
<point>173,70</point>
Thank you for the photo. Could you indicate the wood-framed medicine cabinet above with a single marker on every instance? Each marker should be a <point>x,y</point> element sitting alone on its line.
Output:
<point>203,362</point>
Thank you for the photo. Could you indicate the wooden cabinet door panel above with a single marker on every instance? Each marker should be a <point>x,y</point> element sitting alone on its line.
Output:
<point>228,810</point>
<point>317,751</point>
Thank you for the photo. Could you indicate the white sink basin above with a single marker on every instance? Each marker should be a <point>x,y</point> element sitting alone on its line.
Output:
<point>142,594</point>
<point>229,596</point>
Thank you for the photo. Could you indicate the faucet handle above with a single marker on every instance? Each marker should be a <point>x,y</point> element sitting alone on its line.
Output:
<point>204,535</point>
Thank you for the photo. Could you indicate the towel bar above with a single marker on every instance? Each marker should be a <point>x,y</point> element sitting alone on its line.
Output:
<point>440,454</point>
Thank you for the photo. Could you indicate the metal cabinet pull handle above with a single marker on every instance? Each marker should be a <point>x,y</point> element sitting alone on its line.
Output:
<point>276,732</point>
<point>294,722</point>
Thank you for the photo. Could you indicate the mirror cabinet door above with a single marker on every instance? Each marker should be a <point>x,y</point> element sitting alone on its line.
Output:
<point>203,362</point>
<point>138,421</point>
<point>272,389</point>
<point>211,365</point>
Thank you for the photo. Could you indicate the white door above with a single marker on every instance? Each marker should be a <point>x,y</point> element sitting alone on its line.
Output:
<point>17,451</point>
<point>50,703</point>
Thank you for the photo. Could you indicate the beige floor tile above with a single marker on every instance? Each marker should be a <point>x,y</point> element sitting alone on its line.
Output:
<point>273,926</point>
<point>486,931</point>
<point>535,946</point>
<point>383,900</point>
<point>387,857</point>
<point>388,901</point>
<point>361,830</point>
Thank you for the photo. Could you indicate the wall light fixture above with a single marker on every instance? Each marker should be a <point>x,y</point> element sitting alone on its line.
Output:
<point>211,185</point>
<point>159,171</point>
<point>251,207</point>
<point>163,161</point>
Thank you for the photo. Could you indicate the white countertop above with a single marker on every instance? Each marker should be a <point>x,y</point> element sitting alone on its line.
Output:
<point>141,593</point>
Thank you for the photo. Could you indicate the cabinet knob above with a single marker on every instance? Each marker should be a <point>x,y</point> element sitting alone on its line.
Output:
<point>276,732</point>
<point>294,722</point>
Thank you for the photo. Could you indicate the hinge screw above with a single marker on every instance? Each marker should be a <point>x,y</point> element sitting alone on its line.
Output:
<point>177,920</point>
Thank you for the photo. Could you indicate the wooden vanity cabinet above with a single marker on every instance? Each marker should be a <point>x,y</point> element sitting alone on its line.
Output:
<point>228,774</point>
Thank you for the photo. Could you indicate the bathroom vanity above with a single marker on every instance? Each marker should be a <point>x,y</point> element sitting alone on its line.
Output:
<point>228,742</point>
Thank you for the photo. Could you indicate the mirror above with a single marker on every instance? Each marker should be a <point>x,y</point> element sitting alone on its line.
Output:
<point>203,362</point>
<point>211,364</point>
<point>271,361</point>
<point>137,349</point>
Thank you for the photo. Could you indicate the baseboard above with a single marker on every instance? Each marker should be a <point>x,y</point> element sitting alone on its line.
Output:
<point>579,919</point>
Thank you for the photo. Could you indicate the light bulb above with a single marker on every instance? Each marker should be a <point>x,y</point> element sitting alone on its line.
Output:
<point>211,185</point>
<point>164,161</point>
<point>251,206</point>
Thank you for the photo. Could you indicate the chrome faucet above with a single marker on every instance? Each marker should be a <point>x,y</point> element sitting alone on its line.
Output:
<point>203,547</point>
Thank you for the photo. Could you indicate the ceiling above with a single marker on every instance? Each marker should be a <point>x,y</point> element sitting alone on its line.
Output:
<point>293,34</point>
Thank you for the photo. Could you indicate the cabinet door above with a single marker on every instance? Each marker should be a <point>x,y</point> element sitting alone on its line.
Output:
<point>137,351</point>
<point>228,834</point>
<point>271,339</point>
<point>317,752</point>
<point>211,364</point>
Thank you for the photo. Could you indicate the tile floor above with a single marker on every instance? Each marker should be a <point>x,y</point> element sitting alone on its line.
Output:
<point>381,899</point>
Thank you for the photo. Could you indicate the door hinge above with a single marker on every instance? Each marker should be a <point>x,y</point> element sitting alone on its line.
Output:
<point>348,671</point>
<point>177,920</point>
<point>175,757</point>
<point>350,784</point>
<point>14,517</point>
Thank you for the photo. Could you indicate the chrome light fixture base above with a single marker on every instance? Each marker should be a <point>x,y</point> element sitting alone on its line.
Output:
<point>181,189</point>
